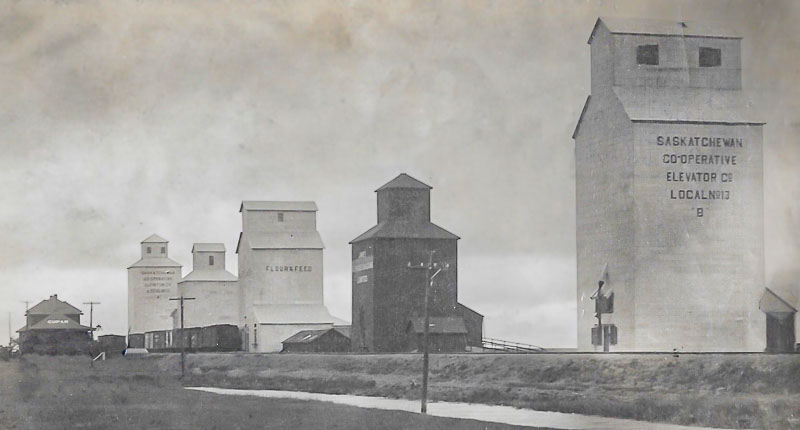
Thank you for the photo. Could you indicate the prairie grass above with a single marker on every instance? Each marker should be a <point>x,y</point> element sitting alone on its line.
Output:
<point>717,390</point>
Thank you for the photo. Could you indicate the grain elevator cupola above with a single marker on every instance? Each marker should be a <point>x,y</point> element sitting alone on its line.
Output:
<point>404,199</point>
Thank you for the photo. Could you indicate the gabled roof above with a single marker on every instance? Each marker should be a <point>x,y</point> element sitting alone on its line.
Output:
<point>773,303</point>
<point>155,262</point>
<point>282,240</point>
<point>154,238</point>
<point>658,27</point>
<point>405,181</point>
<point>56,321</point>
<point>52,306</point>
<point>255,205</point>
<point>208,247</point>
<point>687,105</point>
<point>305,336</point>
<point>398,229</point>
<point>460,305</point>
<point>438,325</point>
<point>209,276</point>
<point>292,314</point>
<point>309,336</point>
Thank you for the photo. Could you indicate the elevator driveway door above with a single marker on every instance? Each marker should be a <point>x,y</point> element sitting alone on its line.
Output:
<point>780,332</point>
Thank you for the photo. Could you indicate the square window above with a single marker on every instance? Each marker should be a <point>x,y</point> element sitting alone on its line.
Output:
<point>647,54</point>
<point>362,279</point>
<point>710,57</point>
<point>362,254</point>
<point>280,216</point>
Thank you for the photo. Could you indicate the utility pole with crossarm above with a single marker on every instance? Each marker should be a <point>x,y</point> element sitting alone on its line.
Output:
<point>435,269</point>
<point>183,337</point>
<point>91,315</point>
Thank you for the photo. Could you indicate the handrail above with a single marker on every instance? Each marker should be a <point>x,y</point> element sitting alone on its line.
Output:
<point>509,346</point>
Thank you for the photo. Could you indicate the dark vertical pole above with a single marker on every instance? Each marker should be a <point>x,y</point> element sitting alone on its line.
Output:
<point>183,343</point>
<point>182,335</point>
<point>91,317</point>
<point>428,282</point>
<point>27,327</point>
<point>427,321</point>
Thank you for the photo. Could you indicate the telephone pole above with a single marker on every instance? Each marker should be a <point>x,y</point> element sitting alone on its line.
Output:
<point>183,338</point>
<point>91,314</point>
<point>27,302</point>
<point>27,326</point>
<point>434,268</point>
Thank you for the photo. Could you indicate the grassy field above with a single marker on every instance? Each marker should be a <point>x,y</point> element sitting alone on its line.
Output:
<point>748,391</point>
<point>41,393</point>
<point>733,391</point>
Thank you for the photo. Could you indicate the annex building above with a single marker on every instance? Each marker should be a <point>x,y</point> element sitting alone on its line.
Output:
<point>669,190</point>
<point>216,291</point>
<point>388,296</point>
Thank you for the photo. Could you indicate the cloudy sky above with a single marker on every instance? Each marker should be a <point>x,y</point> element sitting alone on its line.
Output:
<point>122,119</point>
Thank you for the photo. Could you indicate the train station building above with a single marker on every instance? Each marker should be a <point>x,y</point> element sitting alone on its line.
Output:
<point>54,326</point>
<point>669,190</point>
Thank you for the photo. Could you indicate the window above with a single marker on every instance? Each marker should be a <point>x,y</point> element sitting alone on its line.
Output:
<point>362,279</point>
<point>710,57</point>
<point>280,216</point>
<point>149,250</point>
<point>362,254</point>
<point>163,249</point>
<point>647,54</point>
<point>210,260</point>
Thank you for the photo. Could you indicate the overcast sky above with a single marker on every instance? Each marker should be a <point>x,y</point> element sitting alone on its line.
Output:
<point>122,119</point>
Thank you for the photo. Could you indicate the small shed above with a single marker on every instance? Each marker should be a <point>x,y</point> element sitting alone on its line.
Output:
<point>780,322</point>
<point>473,321</point>
<point>324,340</point>
<point>445,334</point>
<point>136,340</point>
<point>111,344</point>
